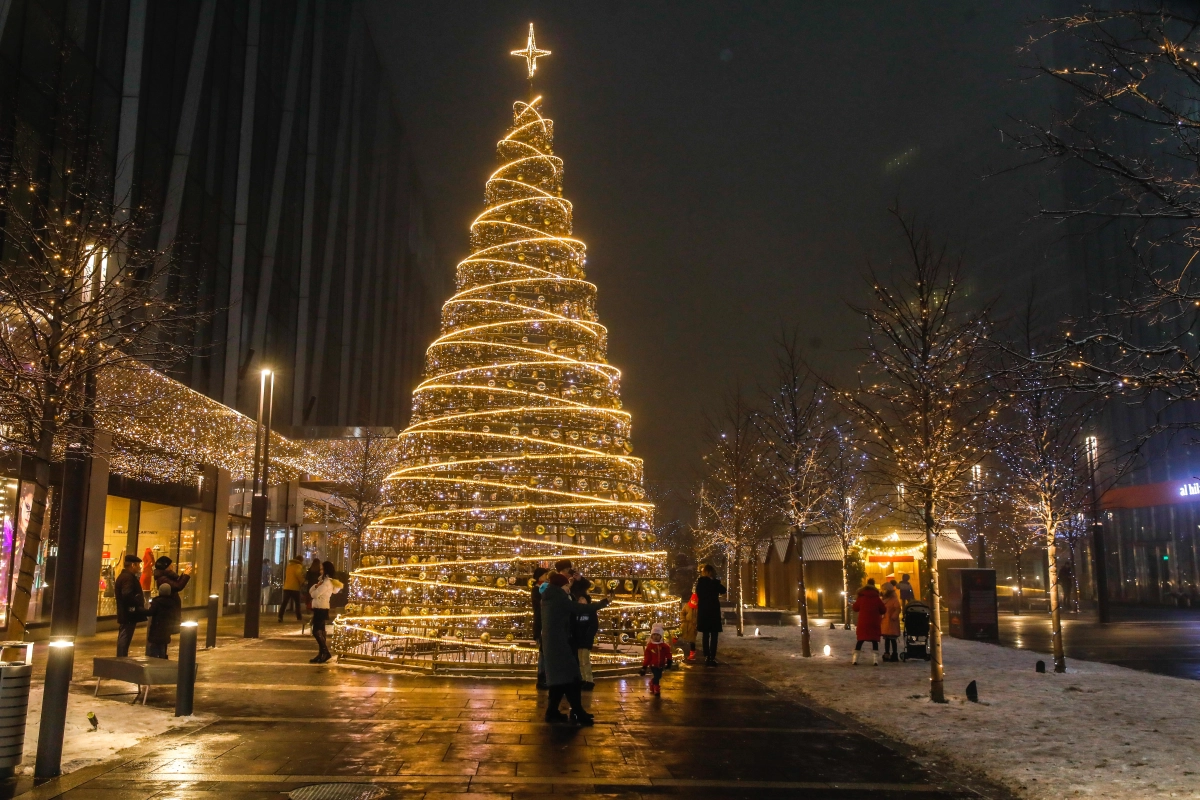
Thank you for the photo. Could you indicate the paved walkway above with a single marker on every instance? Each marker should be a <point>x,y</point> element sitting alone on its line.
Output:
<point>282,724</point>
<point>1165,641</point>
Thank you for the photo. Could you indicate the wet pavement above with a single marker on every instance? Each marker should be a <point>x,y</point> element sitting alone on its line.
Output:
<point>280,723</point>
<point>1164,641</point>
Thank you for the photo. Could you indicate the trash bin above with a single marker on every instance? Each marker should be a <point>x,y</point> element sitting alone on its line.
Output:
<point>15,677</point>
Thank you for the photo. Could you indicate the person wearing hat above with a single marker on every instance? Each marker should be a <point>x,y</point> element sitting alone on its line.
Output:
<point>163,573</point>
<point>131,603</point>
<point>558,654</point>
<point>657,657</point>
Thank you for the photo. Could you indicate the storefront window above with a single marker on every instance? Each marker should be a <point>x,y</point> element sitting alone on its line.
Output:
<point>8,509</point>
<point>158,536</point>
<point>116,536</point>
<point>195,554</point>
<point>238,547</point>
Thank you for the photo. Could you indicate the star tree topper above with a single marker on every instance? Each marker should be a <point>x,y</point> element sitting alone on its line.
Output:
<point>530,53</point>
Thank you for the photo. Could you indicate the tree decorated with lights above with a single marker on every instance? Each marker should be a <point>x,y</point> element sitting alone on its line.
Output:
<point>518,452</point>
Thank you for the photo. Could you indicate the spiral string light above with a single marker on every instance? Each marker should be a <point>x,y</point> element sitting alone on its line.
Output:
<point>518,452</point>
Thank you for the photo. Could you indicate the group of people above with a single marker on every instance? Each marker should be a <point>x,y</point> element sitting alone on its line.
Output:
<point>565,624</point>
<point>164,612</point>
<point>879,617</point>
<point>316,587</point>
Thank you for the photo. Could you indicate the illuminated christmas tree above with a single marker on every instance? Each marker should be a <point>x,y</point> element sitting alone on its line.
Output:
<point>518,452</point>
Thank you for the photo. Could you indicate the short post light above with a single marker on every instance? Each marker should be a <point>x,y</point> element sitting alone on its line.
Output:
<point>185,683</point>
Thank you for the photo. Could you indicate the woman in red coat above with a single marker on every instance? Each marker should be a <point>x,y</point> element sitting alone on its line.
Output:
<point>870,610</point>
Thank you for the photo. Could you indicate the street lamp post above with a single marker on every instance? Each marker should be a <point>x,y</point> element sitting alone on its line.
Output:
<point>258,504</point>
<point>1099,554</point>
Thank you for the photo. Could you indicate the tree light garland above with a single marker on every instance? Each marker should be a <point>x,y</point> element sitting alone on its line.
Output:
<point>518,452</point>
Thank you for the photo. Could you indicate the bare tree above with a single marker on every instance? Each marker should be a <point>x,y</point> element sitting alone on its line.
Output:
<point>358,494</point>
<point>1016,535</point>
<point>1131,139</point>
<point>921,408</point>
<point>80,296</point>
<point>734,505</point>
<point>851,505</point>
<point>792,431</point>
<point>1047,480</point>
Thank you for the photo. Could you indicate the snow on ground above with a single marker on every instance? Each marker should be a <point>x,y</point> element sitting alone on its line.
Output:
<point>122,724</point>
<point>1098,730</point>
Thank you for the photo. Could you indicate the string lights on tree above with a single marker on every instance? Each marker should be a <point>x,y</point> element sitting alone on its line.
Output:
<point>518,452</point>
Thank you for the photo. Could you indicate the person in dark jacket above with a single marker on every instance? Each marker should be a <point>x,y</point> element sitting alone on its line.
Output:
<point>871,611</point>
<point>562,663</point>
<point>535,600</point>
<point>131,603</point>
<point>585,624</point>
<point>164,574</point>
<point>165,615</point>
<point>708,611</point>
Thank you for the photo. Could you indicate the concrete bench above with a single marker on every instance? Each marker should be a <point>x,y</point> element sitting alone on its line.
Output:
<point>145,672</point>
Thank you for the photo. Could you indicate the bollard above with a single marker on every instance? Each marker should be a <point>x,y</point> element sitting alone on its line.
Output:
<point>60,662</point>
<point>185,685</point>
<point>210,633</point>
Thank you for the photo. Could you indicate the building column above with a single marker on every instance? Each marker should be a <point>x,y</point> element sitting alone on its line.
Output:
<point>241,210</point>
<point>308,232</point>
<point>350,271</point>
<point>131,92</point>
<point>176,182</point>
<point>266,271</point>
<point>350,78</point>
<point>93,535</point>
<point>220,543</point>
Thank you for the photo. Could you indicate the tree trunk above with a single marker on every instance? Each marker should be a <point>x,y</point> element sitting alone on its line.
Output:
<point>1020,592</point>
<point>937,676</point>
<point>1056,640</point>
<point>845,591</point>
<point>805,642</point>
<point>737,571</point>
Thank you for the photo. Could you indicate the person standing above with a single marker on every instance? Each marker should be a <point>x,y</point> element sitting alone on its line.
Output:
<point>870,616</point>
<point>708,611</point>
<point>131,603</point>
<point>562,663</point>
<point>687,626</point>
<point>293,582</point>
<point>165,612</point>
<point>321,591</point>
<point>890,626</point>
<point>585,624</point>
<point>535,600</point>
<point>906,590</point>
<point>164,574</point>
<point>657,657</point>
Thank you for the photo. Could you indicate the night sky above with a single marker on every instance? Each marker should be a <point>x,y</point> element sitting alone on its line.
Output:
<point>731,167</point>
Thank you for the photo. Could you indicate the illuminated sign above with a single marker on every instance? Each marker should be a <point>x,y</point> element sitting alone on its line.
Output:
<point>1189,489</point>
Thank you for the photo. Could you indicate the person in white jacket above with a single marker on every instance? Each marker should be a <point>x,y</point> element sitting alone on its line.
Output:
<point>320,592</point>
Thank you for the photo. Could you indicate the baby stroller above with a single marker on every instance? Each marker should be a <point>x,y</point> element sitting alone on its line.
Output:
<point>916,631</point>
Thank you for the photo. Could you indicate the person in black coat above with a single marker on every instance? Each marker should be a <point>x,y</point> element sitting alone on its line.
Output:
<point>708,611</point>
<point>535,600</point>
<point>131,603</point>
<point>562,663</point>
<point>585,624</point>
<point>165,613</point>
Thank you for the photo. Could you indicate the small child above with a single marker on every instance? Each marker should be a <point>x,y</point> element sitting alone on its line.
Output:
<point>162,614</point>
<point>657,657</point>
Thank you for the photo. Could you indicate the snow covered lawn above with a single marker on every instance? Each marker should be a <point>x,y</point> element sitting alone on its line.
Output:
<point>1098,730</point>
<point>122,724</point>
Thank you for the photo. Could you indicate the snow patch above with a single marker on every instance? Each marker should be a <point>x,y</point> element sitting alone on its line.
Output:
<point>1098,730</point>
<point>121,725</point>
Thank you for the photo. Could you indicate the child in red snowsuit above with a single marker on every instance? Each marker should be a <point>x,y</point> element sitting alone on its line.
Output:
<point>657,657</point>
